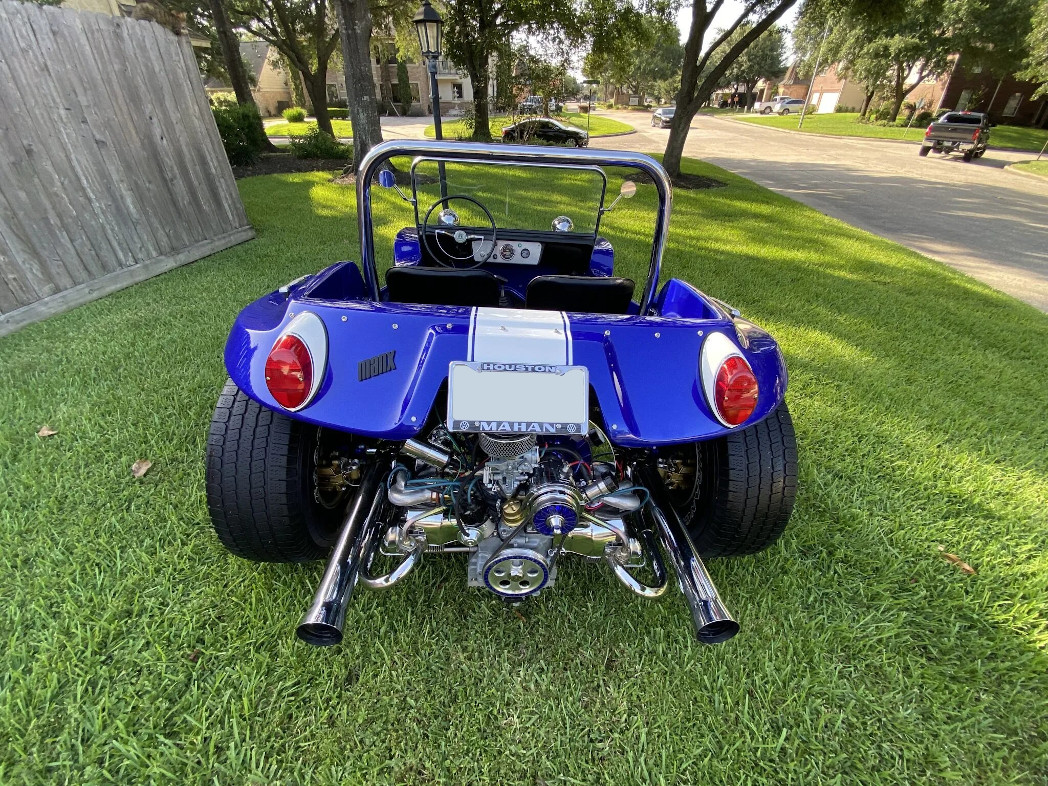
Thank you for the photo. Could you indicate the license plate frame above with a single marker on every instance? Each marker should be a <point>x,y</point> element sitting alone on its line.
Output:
<point>517,398</point>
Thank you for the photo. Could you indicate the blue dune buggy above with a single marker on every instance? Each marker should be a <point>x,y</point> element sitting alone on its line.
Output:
<point>504,395</point>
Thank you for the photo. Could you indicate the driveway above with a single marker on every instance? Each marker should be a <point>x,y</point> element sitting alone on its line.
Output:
<point>975,217</point>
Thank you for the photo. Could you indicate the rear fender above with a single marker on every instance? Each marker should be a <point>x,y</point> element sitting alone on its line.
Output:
<point>387,362</point>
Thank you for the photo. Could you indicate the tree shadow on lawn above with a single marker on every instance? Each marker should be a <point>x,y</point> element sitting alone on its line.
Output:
<point>920,420</point>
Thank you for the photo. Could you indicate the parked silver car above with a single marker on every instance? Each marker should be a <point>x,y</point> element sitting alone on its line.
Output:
<point>787,105</point>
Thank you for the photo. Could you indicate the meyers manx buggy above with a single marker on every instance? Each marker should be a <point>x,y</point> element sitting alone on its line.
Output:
<point>504,396</point>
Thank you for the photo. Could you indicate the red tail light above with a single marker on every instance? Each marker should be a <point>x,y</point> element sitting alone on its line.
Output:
<point>928,131</point>
<point>289,372</point>
<point>735,391</point>
<point>975,136</point>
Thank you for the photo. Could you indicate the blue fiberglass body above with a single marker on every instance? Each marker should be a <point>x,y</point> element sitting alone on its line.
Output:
<point>644,365</point>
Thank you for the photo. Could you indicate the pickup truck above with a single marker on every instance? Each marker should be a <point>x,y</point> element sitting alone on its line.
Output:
<point>964,132</point>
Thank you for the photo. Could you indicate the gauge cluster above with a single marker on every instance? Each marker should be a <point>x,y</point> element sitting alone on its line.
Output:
<point>507,252</point>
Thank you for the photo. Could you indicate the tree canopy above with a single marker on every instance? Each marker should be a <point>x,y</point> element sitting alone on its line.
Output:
<point>765,58</point>
<point>1036,65</point>
<point>637,53</point>
<point>893,54</point>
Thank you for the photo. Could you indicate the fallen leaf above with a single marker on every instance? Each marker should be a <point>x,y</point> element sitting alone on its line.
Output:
<point>141,467</point>
<point>521,616</point>
<point>194,656</point>
<point>46,431</point>
<point>953,559</point>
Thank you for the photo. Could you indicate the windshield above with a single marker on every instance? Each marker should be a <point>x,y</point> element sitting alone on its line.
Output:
<point>972,120</point>
<point>518,197</point>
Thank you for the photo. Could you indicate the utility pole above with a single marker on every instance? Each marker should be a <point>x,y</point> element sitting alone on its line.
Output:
<point>815,73</point>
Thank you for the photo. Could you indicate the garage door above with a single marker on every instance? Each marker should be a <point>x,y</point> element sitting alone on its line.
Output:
<point>827,101</point>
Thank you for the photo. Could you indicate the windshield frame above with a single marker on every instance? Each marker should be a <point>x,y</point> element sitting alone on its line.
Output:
<point>511,154</point>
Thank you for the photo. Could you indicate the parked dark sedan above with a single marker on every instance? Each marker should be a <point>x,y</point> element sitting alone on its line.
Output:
<point>663,116</point>
<point>545,129</point>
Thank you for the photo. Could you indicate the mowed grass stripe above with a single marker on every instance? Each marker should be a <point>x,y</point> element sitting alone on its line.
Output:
<point>137,650</point>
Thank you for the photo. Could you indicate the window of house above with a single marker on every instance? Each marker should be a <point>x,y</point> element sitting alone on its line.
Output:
<point>416,96</point>
<point>456,90</point>
<point>962,102</point>
<point>332,92</point>
<point>1012,106</point>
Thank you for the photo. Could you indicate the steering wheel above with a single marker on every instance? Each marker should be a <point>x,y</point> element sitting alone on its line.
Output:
<point>460,236</point>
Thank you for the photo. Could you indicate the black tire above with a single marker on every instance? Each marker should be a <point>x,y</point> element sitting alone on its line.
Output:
<point>766,110</point>
<point>260,483</point>
<point>924,151</point>
<point>743,487</point>
<point>967,155</point>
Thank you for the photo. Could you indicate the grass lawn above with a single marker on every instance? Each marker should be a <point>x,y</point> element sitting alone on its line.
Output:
<point>844,124</point>
<point>342,128</point>
<point>1034,167</point>
<point>598,126</point>
<point>137,651</point>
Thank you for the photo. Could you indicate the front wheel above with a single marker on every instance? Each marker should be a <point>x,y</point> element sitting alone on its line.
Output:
<point>735,493</point>
<point>276,487</point>
<point>766,110</point>
<point>572,143</point>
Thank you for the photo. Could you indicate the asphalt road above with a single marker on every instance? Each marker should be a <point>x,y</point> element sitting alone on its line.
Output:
<point>976,217</point>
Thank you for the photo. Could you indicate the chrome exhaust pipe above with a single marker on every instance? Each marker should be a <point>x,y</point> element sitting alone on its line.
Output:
<point>713,623</point>
<point>322,624</point>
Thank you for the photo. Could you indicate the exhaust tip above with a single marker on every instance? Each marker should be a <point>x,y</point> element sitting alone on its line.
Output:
<point>319,634</point>
<point>717,632</point>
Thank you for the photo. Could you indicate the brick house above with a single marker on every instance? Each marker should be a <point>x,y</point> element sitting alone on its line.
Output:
<point>969,86</point>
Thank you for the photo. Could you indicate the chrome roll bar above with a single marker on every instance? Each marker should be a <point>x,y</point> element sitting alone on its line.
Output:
<point>509,154</point>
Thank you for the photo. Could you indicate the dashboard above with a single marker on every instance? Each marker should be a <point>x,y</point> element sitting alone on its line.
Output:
<point>507,252</point>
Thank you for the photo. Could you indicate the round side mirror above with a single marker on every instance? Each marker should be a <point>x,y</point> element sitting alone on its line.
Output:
<point>386,179</point>
<point>629,188</point>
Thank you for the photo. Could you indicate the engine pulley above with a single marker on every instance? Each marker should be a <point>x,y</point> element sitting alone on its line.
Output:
<point>517,573</point>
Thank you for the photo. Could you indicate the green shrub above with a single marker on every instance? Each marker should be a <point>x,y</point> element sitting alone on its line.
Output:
<point>339,103</point>
<point>319,144</point>
<point>884,111</point>
<point>923,118</point>
<point>295,114</point>
<point>609,105</point>
<point>240,127</point>
<point>222,100</point>
<point>338,113</point>
<point>845,109</point>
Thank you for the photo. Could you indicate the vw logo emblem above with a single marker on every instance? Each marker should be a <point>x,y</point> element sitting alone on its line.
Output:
<point>464,424</point>
<point>572,428</point>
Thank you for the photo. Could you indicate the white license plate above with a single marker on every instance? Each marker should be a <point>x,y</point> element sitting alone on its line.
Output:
<point>518,398</point>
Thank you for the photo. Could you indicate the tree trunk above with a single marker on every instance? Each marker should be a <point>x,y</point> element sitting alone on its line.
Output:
<point>898,93</point>
<point>867,99</point>
<point>482,121</point>
<point>227,41</point>
<point>294,80</point>
<point>678,136</point>
<point>385,92</point>
<point>354,25</point>
<point>316,86</point>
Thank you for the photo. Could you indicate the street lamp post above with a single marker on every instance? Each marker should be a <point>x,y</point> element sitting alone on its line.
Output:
<point>430,27</point>
<point>590,83</point>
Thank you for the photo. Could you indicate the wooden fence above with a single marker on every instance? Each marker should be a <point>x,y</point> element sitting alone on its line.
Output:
<point>111,167</point>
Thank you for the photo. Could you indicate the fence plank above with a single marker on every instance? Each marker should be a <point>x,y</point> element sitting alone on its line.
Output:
<point>111,167</point>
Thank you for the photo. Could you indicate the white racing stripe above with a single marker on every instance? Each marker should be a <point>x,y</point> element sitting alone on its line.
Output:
<point>513,335</point>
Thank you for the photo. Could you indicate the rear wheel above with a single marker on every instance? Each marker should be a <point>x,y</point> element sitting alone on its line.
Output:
<point>276,487</point>
<point>766,110</point>
<point>735,493</point>
<point>925,149</point>
<point>967,155</point>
